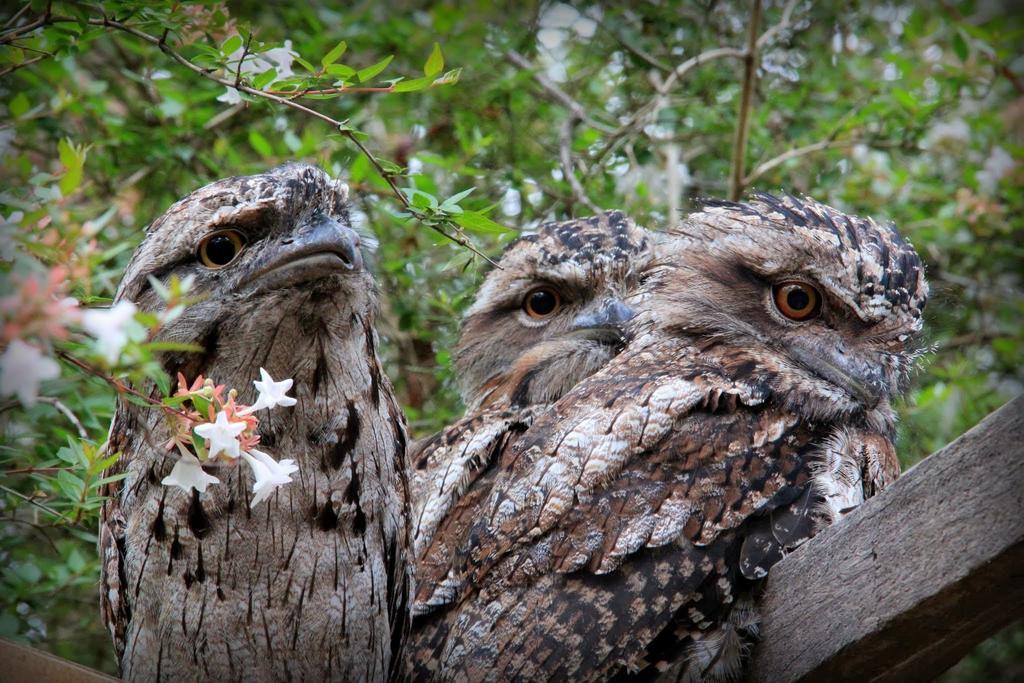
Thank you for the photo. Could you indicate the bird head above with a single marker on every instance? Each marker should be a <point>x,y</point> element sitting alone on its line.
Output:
<point>257,249</point>
<point>552,313</point>
<point>832,303</point>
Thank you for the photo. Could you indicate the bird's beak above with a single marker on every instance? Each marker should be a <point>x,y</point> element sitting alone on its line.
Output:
<point>864,383</point>
<point>316,249</point>
<point>604,324</point>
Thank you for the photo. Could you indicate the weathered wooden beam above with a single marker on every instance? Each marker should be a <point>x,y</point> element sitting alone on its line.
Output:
<point>905,586</point>
<point>23,664</point>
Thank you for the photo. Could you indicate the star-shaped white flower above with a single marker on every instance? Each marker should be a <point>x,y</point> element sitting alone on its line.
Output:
<point>269,474</point>
<point>188,474</point>
<point>110,327</point>
<point>272,394</point>
<point>221,435</point>
<point>22,368</point>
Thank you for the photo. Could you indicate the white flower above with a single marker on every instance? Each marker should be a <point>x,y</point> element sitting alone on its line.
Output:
<point>269,474</point>
<point>278,58</point>
<point>230,96</point>
<point>22,368</point>
<point>272,394</point>
<point>952,134</point>
<point>188,474</point>
<point>110,327</point>
<point>8,228</point>
<point>221,435</point>
<point>997,166</point>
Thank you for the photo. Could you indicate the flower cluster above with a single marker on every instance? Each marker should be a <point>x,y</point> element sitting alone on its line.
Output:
<point>34,317</point>
<point>207,428</point>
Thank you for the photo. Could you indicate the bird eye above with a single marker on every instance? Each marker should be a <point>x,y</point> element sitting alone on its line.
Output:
<point>541,302</point>
<point>220,248</point>
<point>797,300</point>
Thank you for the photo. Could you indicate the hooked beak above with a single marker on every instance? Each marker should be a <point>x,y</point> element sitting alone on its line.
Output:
<point>862,383</point>
<point>319,248</point>
<point>605,324</point>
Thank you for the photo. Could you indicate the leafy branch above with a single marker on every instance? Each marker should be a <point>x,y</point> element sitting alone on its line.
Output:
<point>449,224</point>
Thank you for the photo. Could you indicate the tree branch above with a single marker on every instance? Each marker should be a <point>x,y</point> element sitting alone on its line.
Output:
<point>739,151</point>
<point>556,93</point>
<point>236,84</point>
<point>794,153</point>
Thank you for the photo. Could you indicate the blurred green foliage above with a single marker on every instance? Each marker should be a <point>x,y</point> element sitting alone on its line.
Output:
<point>903,111</point>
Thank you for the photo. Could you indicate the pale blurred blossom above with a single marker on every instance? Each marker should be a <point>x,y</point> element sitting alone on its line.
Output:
<point>512,203</point>
<point>8,228</point>
<point>22,369</point>
<point>997,166</point>
<point>110,328</point>
<point>947,133</point>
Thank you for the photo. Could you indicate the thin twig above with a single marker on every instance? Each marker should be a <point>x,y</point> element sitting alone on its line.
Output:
<point>556,93</point>
<point>739,151</point>
<point>636,49</point>
<point>35,502</point>
<point>17,15</point>
<point>36,470</point>
<point>794,153</point>
<point>689,65</point>
<point>22,65</point>
<point>785,22</point>
<point>67,413</point>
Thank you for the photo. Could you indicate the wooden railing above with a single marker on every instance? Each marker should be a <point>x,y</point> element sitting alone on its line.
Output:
<point>905,586</point>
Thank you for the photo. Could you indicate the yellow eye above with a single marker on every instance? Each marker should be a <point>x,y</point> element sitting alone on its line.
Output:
<point>797,300</point>
<point>541,302</point>
<point>220,248</point>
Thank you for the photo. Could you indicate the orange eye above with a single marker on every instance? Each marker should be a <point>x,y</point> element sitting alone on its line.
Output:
<point>797,300</point>
<point>220,248</point>
<point>541,302</point>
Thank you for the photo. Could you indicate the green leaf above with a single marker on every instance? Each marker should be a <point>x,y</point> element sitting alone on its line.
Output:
<point>336,52</point>
<point>260,144</point>
<point>70,485</point>
<point>19,105</point>
<point>28,572</point>
<point>341,70</point>
<point>108,480</point>
<point>73,159</point>
<point>474,221</point>
<point>369,72</point>
<point>459,196</point>
<point>414,84</point>
<point>434,63</point>
<point>264,79</point>
<point>450,78</point>
<point>960,47</point>
<point>421,199</point>
<point>305,65</point>
<point>229,46</point>
<point>76,561</point>
<point>905,98</point>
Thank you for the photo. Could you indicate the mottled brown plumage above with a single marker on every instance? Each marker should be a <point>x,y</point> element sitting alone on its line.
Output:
<point>509,363</point>
<point>313,583</point>
<point>618,532</point>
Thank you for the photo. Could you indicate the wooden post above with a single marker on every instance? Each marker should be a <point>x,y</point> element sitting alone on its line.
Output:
<point>23,664</point>
<point>905,586</point>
